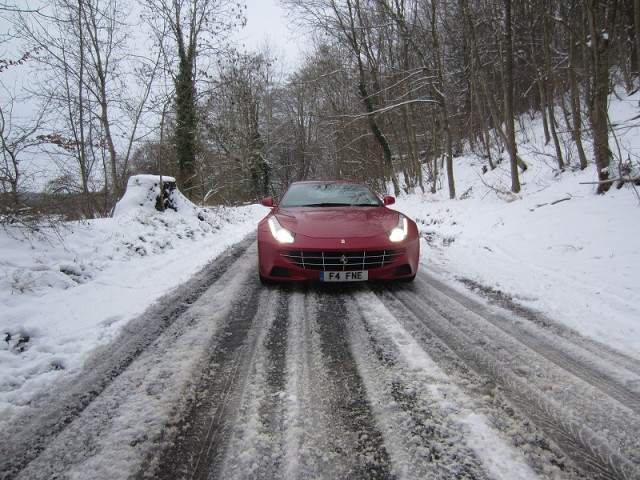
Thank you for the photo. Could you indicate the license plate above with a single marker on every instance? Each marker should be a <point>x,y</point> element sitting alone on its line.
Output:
<point>344,276</point>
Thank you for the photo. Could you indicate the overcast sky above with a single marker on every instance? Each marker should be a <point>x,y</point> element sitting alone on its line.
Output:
<point>267,22</point>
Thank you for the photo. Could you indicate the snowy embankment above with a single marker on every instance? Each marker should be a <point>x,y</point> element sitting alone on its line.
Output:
<point>557,248</point>
<point>64,294</point>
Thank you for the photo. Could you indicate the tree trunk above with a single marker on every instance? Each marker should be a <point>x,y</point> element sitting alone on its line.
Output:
<point>599,48</point>
<point>508,101</point>
<point>186,124</point>
<point>549,90</point>
<point>442,102</point>
<point>576,110</point>
<point>543,109</point>
<point>554,134</point>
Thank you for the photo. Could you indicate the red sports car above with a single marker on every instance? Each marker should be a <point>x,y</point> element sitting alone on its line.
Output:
<point>336,231</point>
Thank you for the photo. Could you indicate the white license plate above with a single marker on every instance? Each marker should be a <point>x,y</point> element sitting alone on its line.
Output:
<point>344,276</point>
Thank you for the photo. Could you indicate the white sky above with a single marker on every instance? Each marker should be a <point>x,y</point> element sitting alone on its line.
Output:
<point>267,22</point>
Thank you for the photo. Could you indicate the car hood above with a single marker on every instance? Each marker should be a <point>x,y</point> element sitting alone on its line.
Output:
<point>347,222</point>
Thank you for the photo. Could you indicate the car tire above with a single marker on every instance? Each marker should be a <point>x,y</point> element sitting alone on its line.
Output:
<point>263,280</point>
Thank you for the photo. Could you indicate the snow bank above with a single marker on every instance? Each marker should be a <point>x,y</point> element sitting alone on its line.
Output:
<point>64,292</point>
<point>557,247</point>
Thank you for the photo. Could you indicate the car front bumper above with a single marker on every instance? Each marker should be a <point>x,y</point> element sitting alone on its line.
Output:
<point>381,259</point>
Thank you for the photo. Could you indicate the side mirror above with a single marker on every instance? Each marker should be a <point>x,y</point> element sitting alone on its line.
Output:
<point>389,200</point>
<point>268,202</point>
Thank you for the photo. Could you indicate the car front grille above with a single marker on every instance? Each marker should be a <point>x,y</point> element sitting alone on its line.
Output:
<point>342,261</point>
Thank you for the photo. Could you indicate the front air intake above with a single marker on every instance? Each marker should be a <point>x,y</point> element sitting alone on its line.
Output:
<point>342,261</point>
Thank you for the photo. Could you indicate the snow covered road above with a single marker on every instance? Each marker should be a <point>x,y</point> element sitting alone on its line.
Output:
<point>226,378</point>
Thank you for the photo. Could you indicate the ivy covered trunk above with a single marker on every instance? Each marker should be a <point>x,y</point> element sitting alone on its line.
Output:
<point>186,120</point>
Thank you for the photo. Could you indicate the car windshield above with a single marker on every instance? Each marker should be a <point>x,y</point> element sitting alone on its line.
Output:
<point>329,195</point>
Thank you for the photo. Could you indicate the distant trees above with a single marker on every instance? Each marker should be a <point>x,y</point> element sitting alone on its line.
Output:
<point>390,92</point>
<point>235,128</point>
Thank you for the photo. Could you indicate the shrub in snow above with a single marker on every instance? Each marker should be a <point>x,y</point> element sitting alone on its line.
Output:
<point>22,280</point>
<point>77,272</point>
<point>16,342</point>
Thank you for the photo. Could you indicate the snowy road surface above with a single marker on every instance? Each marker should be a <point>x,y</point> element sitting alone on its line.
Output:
<point>226,378</point>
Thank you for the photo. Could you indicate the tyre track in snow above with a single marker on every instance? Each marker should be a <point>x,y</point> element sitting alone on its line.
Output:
<point>583,395</point>
<point>207,427</point>
<point>285,403</point>
<point>613,373</point>
<point>347,420</point>
<point>422,435</point>
<point>68,399</point>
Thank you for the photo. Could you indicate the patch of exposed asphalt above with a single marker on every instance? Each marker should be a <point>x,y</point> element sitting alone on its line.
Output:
<point>276,381</point>
<point>349,404</point>
<point>258,447</point>
<point>204,430</point>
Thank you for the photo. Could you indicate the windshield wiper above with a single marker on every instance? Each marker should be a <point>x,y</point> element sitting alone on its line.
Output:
<point>328,205</point>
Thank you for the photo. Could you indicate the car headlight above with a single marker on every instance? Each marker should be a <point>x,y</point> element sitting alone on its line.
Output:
<point>400,231</point>
<point>280,233</point>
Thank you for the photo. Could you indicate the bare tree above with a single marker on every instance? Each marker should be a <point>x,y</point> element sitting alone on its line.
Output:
<point>574,88</point>
<point>16,139</point>
<point>509,112</point>
<point>87,67</point>
<point>16,131</point>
